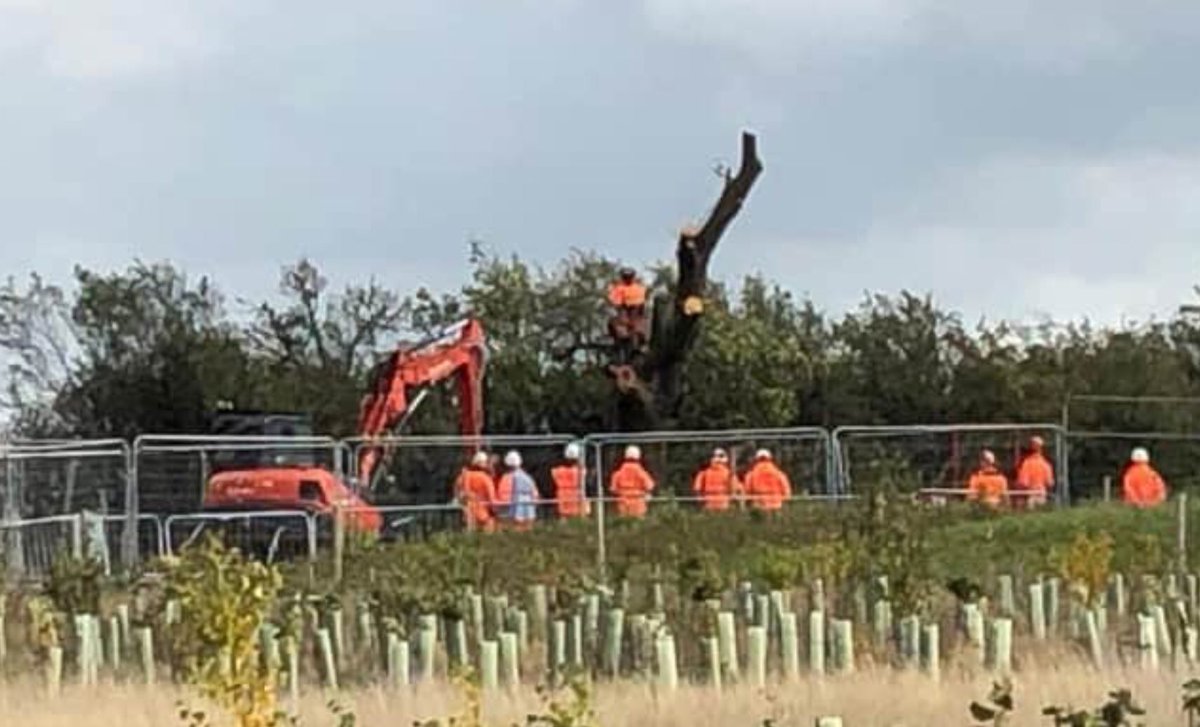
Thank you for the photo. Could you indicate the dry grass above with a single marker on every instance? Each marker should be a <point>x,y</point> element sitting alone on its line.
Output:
<point>866,699</point>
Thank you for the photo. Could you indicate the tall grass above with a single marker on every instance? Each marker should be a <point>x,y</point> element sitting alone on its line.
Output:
<point>876,699</point>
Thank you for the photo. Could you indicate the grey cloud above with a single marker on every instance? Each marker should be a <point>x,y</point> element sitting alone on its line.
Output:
<point>908,144</point>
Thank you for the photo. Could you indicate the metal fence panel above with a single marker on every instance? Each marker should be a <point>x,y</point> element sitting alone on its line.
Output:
<point>674,458</point>
<point>31,546</point>
<point>422,470</point>
<point>1097,456</point>
<point>172,472</point>
<point>60,477</point>
<point>270,535</point>
<point>938,457</point>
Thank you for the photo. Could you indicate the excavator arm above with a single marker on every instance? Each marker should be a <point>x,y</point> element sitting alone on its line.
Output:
<point>458,352</point>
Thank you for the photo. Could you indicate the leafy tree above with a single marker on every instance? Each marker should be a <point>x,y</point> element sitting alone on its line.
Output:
<point>37,340</point>
<point>315,352</point>
<point>151,351</point>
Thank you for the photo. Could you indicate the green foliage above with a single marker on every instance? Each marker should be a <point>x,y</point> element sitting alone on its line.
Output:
<point>44,625</point>
<point>224,601</point>
<point>75,585</point>
<point>1085,565</point>
<point>568,707</point>
<point>148,349</point>
<point>892,533</point>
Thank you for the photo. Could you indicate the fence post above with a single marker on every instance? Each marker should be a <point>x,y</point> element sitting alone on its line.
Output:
<point>129,533</point>
<point>1107,486</point>
<point>1181,533</point>
<point>601,545</point>
<point>339,543</point>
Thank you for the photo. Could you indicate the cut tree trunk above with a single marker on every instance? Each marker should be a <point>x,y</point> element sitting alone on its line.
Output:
<point>650,390</point>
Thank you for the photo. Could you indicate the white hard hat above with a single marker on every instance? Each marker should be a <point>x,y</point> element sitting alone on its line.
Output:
<point>762,454</point>
<point>479,459</point>
<point>572,451</point>
<point>719,453</point>
<point>988,456</point>
<point>633,452</point>
<point>512,459</point>
<point>1139,454</point>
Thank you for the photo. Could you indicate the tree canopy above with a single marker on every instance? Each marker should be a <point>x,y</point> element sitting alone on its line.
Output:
<point>150,349</point>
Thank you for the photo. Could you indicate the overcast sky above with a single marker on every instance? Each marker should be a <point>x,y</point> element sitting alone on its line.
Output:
<point>1015,159</point>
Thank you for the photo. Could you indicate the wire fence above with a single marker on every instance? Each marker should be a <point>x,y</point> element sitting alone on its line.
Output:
<point>940,457</point>
<point>423,470</point>
<point>269,535</point>
<point>124,503</point>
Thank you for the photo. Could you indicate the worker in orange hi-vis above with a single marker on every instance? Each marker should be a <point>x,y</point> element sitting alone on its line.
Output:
<point>716,483</point>
<point>987,484</point>
<point>568,477</point>
<point>766,485</point>
<point>627,296</point>
<point>1035,476</point>
<point>476,492</point>
<point>1141,485</point>
<point>627,292</point>
<point>631,484</point>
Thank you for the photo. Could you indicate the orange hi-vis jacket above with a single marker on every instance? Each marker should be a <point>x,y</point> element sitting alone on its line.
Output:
<point>767,486</point>
<point>568,490</point>
<point>715,484</point>
<point>503,497</point>
<point>1142,486</point>
<point>631,484</point>
<point>477,493</point>
<point>627,295</point>
<point>988,485</point>
<point>1035,473</point>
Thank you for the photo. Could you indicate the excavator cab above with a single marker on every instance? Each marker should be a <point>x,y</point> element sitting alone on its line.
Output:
<point>282,477</point>
<point>281,425</point>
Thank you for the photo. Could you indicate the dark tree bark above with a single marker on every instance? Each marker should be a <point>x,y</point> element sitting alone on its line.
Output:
<point>649,390</point>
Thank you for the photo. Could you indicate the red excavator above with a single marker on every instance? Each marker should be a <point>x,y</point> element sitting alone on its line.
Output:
<point>287,479</point>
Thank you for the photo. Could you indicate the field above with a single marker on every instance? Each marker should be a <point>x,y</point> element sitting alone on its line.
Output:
<point>880,612</point>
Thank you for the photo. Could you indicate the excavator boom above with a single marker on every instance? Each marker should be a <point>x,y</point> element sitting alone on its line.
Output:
<point>458,352</point>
